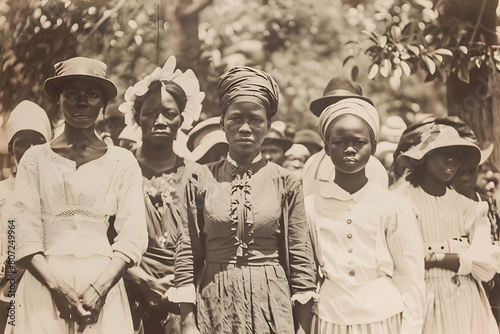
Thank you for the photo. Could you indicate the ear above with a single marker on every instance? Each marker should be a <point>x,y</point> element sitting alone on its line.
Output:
<point>221,122</point>
<point>374,147</point>
<point>327,150</point>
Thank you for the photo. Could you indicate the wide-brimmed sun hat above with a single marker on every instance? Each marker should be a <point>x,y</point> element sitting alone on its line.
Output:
<point>338,88</point>
<point>435,137</point>
<point>80,68</point>
<point>203,136</point>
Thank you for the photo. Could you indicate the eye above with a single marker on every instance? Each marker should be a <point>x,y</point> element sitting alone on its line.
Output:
<point>93,94</point>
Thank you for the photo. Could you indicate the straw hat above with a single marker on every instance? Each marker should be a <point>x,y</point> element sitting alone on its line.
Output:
<point>80,68</point>
<point>337,89</point>
<point>204,136</point>
<point>439,136</point>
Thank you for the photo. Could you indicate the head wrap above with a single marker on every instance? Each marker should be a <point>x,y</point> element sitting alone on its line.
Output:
<point>349,106</point>
<point>28,115</point>
<point>186,80</point>
<point>246,84</point>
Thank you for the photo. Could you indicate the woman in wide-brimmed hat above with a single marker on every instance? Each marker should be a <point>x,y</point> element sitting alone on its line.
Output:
<point>67,189</point>
<point>244,243</point>
<point>161,103</point>
<point>455,231</point>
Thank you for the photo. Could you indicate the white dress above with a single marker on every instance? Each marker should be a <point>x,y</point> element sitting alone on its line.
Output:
<point>452,223</point>
<point>64,214</point>
<point>369,250</point>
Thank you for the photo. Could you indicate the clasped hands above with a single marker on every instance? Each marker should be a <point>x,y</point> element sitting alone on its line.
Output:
<point>84,308</point>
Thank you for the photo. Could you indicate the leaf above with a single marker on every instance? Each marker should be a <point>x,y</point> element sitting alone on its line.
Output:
<point>398,72</point>
<point>431,66</point>
<point>406,68</point>
<point>443,52</point>
<point>372,72</point>
<point>463,49</point>
<point>370,35</point>
<point>385,68</point>
<point>347,59</point>
<point>396,32</point>
<point>463,72</point>
<point>414,49</point>
<point>382,40</point>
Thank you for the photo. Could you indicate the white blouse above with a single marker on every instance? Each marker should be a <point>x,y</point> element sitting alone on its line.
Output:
<point>369,249</point>
<point>65,210</point>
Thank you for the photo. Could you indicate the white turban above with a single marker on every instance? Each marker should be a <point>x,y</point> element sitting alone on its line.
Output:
<point>28,115</point>
<point>349,106</point>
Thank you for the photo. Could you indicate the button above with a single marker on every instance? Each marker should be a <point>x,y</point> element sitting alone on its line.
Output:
<point>350,250</point>
<point>350,262</point>
<point>349,236</point>
<point>352,273</point>
<point>349,221</point>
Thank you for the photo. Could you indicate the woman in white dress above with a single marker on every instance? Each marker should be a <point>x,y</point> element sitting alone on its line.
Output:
<point>66,191</point>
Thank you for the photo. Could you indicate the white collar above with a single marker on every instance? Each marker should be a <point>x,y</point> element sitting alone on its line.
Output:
<point>234,163</point>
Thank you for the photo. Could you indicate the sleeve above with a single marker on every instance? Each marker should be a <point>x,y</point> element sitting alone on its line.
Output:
<point>300,253</point>
<point>130,224</point>
<point>478,259</point>
<point>189,251</point>
<point>28,202</point>
<point>406,247</point>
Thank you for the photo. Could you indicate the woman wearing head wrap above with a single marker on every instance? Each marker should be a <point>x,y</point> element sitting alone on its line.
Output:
<point>244,244</point>
<point>455,231</point>
<point>366,239</point>
<point>27,126</point>
<point>66,190</point>
<point>161,104</point>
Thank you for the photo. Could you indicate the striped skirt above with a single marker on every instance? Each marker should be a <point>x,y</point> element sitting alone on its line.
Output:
<point>391,325</point>
<point>456,305</point>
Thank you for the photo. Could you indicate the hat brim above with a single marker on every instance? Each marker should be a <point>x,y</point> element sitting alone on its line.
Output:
<point>208,142</point>
<point>413,157</point>
<point>283,142</point>
<point>53,85</point>
<point>317,106</point>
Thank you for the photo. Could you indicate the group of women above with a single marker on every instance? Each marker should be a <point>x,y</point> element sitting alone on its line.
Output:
<point>116,241</point>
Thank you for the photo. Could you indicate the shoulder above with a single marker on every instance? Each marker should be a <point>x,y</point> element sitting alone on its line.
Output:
<point>289,179</point>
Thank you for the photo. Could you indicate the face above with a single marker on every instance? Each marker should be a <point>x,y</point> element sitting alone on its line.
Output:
<point>245,125</point>
<point>465,179</point>
<point>160,118</point>
<point>348,144</point>
<point>273,152</point>
<point>80,101</point>
<point>443,163</point>
<point>23,140</point>
<point>295,162</point>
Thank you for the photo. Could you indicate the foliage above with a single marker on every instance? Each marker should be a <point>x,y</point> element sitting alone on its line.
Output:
<point>443,38</point>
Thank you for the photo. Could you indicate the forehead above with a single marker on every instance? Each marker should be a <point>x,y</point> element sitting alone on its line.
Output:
<point>159,96</point>
<point>348,123</point>
<point>246,108</point>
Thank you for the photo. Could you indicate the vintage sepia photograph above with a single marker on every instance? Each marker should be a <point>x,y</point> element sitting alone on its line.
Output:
<point>249,166</point>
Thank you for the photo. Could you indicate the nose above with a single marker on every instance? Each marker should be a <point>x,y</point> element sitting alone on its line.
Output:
<point>161,119</point>
<point>245,127</point>
<point>350,150</point>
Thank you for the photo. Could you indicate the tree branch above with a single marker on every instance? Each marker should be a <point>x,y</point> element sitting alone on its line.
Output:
<point>478,22</point>
<point>106,16</point>
<point>195,7</point>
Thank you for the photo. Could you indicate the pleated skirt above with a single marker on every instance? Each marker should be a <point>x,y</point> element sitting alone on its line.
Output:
<point>456,306</point>
<point>36,312</point>
<point>244,299</point>
<point>391,325</point>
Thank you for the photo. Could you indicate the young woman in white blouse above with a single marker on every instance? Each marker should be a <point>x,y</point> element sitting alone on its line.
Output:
<point>366,240</point>
<point>66,191</point>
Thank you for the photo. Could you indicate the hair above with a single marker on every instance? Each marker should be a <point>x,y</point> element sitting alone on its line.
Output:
<point>373,141</point>
<point>171,87</point>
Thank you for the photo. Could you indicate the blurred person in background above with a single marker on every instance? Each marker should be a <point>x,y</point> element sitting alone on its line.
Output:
<point>276,144</point>
<point>161,103</point>
<point>390,133</point>
<point>207,142</point>
<point>310,139</point>
<point>295,158</point>
<point>319,168</point>
<point>130,137</point>
<point>27,126</point>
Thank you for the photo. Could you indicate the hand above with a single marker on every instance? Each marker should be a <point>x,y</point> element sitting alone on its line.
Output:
<point>68,303</point>
<point>92,301</point>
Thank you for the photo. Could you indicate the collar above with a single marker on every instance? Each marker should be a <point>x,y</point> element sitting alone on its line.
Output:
<point>235,164</point>
<point>370,192</point>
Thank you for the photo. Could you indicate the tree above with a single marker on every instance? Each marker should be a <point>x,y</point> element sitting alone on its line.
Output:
<point>449,40</point>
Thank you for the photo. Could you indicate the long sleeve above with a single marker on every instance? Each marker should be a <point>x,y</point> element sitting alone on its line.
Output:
<point>406,247</point>
<point>130,223</point>
<point>477,259</point>
<point>300,253</point>
<point>28,202</point>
